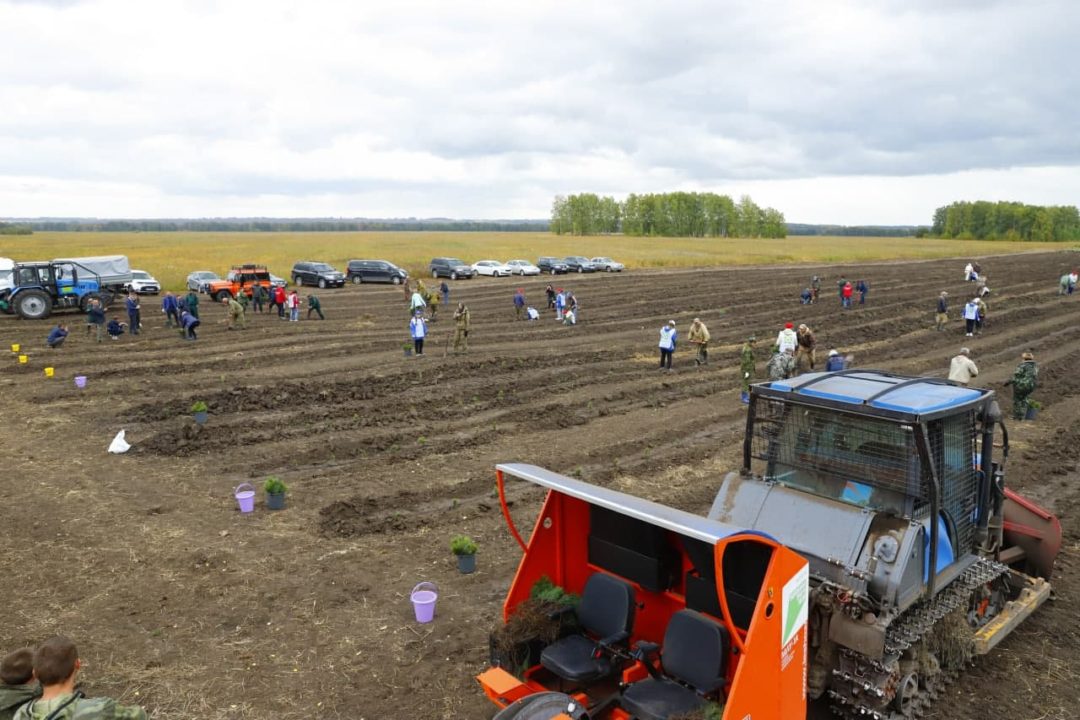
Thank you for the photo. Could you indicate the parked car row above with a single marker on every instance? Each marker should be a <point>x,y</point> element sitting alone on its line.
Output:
<point>241,278</point>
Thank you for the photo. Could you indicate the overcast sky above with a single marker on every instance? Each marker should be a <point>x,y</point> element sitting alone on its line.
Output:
<point>866,111</point>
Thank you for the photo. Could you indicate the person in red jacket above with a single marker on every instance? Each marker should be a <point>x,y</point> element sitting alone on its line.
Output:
<point>846,294</point>
<point>279,300</point>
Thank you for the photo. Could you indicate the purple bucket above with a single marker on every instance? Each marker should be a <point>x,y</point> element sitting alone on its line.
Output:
<point>246,498</point>
<point>80,381</point>
<point>423,601</point>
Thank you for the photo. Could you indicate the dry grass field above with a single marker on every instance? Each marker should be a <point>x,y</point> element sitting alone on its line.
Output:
<point>171,256</point>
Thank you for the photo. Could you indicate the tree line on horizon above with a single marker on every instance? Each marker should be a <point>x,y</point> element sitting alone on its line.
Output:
<point>283,225</point>
<point>674,214</point>
<point>986,220</point>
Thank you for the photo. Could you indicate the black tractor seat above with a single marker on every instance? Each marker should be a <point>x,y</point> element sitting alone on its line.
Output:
<point>694,663</point>
<point>606,618</point>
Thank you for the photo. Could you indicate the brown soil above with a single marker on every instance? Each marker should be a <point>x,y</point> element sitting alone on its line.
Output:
<point>180,603</point>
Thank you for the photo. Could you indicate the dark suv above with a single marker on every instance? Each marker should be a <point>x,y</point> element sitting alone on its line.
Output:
<point>579,263</point>
<point>375,271</point>
<point>552,265</point>
<point>450,268</point>
<point>316,273</point>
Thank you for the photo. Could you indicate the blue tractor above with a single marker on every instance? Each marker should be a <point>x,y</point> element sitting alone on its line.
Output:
<point>39,288</point>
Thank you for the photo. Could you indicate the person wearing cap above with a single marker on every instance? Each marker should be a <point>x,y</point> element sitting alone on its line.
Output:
<point>418,331</point>
<point>1024,380</point>
<point>942,310</point>
<point>668,336</point>
<point>747,367</point>
<point>971,316</point>
<point>835,363</point>
<point>962,369</point>
<point>787,339</point>
<point>699,335</point>
<point>805,351</point>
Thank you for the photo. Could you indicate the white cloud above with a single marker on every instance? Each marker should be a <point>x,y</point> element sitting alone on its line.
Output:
<point>844,111</point>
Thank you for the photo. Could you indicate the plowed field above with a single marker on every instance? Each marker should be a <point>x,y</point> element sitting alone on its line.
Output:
<point>182,604</point>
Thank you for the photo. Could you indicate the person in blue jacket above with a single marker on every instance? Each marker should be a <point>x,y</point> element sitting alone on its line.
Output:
<point>418,331</point>
<point>189,322</point>
<point>668,336</point>
<point>115,328</point>
<point>171,309</point>
<point>57,336</point>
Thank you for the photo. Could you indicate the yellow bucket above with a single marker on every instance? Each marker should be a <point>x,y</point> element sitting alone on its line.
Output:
<point>48,372</point>
<point>23,359</point>
<point>15,347</point>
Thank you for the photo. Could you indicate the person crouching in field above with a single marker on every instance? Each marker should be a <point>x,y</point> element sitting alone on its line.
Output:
<point>189,322</point>
<point>56,663</point>
<point>57,336</point>
<point>115,328</point>
<point>19,686</point>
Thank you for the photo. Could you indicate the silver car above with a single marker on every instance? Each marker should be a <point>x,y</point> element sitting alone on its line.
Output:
<point>607,264</point>
<point>200,280</point>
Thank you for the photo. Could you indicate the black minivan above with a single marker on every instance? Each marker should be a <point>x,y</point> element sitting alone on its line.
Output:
<point>375,271</point>
<point>316,273</point>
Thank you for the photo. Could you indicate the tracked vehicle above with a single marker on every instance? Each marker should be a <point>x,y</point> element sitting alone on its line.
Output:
<point>865,552</point>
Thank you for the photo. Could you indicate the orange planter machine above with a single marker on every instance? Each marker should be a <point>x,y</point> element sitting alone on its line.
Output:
<point>867,550</point>
<point>754,591</point>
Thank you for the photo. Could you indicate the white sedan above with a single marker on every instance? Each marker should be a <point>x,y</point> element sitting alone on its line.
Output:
<point>522,267</point>
<point>494,268</point>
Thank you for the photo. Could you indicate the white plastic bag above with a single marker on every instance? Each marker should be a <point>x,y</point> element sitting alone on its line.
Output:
<point>119,445</point>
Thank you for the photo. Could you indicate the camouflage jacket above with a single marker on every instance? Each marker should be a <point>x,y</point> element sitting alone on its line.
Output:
<point>746,360</point>
<point>1026,377</point>
<point>80,709</point>
<point>781,366</point>
<point>461,318</point>
<point>12,696</point>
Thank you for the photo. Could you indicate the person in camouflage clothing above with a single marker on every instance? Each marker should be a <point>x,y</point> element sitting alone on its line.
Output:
<point>56,663</point>
<point>19,687</point>
<point>747,367</point>
<point>781,365</point>
<point>1024,380</point>
<point>461,328</point>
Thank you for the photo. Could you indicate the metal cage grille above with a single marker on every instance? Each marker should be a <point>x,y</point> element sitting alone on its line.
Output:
<point>857,459</point>
<point>952,446</point>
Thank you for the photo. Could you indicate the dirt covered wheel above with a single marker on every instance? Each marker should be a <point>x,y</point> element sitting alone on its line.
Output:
<point>396,280</point>
<point>434,273</point>
<point>356,280</point>
<point>33,305</point>
<point>322,284</point>
<point>580,269</point>
<point>552,271</point>
<point>453,276</point>
<point>297,281</point>
<point>222,295</point>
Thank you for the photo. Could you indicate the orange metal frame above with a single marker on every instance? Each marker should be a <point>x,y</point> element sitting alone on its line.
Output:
<point>766,677</point>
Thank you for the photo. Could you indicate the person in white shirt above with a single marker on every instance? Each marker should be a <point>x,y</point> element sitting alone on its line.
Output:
<point>968,270</point>
<point>418,331</point>
<point>962,369</point>
<point>668,335</point>
<point>971,315</point>
<point>787,339</point>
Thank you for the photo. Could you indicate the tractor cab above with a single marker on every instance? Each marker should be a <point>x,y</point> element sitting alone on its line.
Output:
<point>624,608</point>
